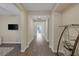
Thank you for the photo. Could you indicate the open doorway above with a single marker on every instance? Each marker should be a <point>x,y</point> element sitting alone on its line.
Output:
<point>40,29</point>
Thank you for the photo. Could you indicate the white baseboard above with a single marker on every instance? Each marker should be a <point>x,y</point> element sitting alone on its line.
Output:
<point>30,42</point>
<point>53,50</point>
<point>27,46</point>
<point>49,46</point>
<point>11,42</point>
<point>56,51</point>
<point>46,38</point>
<point>23,50</point>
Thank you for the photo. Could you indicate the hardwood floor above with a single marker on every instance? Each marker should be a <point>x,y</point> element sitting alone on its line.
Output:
<point>13,52</point>
<point>38,47</point>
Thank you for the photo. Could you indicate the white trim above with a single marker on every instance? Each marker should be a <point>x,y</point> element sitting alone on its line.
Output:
<point>26,46</point>
<point>59,51</point>
<point>45,37</point>
<point>50,47</point>
<point>30,42</point>
<point>23,50</point>
<point>53,50</point>
<point>11,42</point>
<point>0,41</point>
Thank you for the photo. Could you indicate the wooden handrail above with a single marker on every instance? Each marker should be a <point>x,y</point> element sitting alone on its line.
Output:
<point>65,27</point>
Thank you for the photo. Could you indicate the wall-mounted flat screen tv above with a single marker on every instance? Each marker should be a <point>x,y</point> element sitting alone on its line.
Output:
<point>12,26</point>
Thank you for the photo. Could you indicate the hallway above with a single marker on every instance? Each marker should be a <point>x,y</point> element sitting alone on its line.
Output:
<point>21,25</point>
<point>38,47</point>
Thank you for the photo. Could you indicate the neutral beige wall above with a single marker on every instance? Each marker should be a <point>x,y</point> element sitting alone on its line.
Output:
<point>46,30</point>
<point>23,27</point>
<point>24,31</point>
<point>9,36</point>
<point>71,15</point>
<point>51,31</point>
<point>30,29</point>
<point>57,30</point>
<point>54,30</point>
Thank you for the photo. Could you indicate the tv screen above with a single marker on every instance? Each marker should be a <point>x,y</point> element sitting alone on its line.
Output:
<point>12,26</point>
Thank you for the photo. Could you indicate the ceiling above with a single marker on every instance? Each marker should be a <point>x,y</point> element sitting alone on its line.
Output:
<point>11,9</point>
<point>8,9</point>
<point>37,18</point>
<point>39,6</point>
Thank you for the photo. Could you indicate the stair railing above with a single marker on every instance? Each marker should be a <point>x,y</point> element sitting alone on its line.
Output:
<point>65,27</point>
<point>76,41</point>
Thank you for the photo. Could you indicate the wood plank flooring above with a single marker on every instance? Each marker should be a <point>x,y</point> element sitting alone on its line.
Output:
<point>13,52</point>
<point>38,48</point>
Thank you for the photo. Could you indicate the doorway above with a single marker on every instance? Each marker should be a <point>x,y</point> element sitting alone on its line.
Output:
<point>40,30</point>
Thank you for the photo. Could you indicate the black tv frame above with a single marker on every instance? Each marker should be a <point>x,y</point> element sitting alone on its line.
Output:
<point>12,26</point>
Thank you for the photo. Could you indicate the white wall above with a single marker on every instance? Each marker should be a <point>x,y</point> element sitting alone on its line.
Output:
<point>23,27</point>
<point>30,29</point>
<point>46,30</point>
<point>9,36</point>
<point>54,30</point>
<point>51,31</point>
<point>24,31</point>
<point>71,15</point>
<point>57,30</point>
